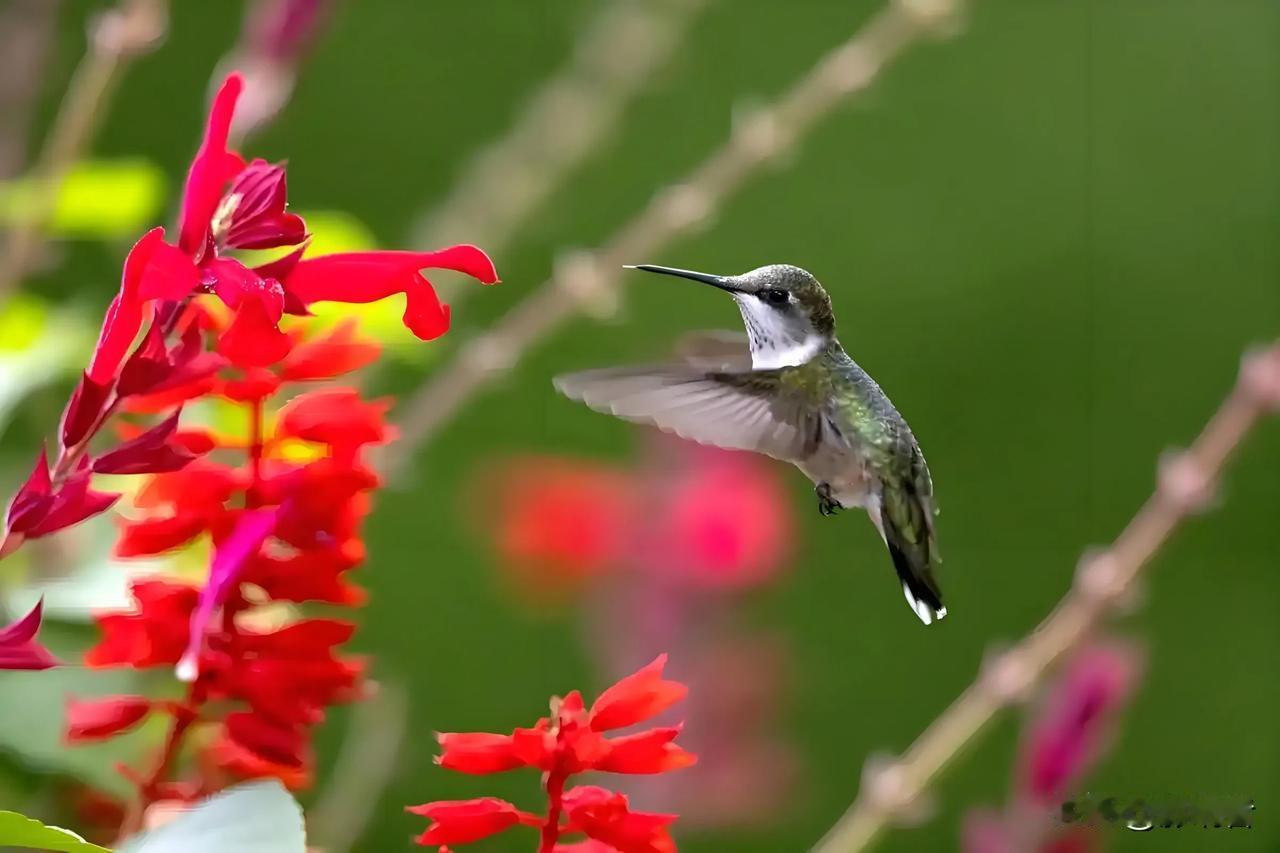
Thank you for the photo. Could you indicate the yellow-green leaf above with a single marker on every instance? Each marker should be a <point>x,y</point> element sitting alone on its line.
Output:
<point>20,831</point>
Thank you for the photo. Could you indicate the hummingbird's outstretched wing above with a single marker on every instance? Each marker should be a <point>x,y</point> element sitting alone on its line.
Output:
<point>733,410</point>
<point>715,350</point>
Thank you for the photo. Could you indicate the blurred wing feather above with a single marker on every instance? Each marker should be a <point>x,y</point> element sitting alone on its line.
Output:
<point>735,411</point>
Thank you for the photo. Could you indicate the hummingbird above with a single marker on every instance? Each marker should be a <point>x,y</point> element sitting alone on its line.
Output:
<point>789,390</point>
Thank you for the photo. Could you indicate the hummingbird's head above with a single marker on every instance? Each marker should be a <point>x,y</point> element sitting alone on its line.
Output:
<point>786,311</point>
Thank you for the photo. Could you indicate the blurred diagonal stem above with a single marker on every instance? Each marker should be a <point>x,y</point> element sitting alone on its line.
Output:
<point>587,282</point>
<point>1105,582</point>
<point>566,119</point>
<point>114,38</point>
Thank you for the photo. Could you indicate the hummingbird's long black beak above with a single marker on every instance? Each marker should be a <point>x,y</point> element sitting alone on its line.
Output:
<point>720,281</point>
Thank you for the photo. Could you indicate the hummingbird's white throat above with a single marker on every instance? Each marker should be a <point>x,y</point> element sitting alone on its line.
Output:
<point>777,339</point>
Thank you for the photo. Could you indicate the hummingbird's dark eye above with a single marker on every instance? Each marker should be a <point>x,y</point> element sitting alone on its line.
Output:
<point>775,297</point>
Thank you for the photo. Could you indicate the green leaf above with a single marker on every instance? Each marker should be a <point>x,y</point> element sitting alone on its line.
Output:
<point>31,720</point>
<point>105,199</point>
<point>19,831</point>
<point>256,817</point>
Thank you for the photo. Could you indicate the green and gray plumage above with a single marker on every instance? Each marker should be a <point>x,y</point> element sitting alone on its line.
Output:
<point>790,391</point>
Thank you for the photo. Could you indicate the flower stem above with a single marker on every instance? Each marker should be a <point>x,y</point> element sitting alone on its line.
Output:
<point>555,805</point>
<point>184,715</point>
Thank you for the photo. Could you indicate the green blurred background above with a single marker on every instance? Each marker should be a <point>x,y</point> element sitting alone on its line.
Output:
<point>1049,238</point>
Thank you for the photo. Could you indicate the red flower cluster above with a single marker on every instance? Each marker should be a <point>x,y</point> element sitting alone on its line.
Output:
<point>228,205</point>
<point>283,506</point>
<point>570,741</point>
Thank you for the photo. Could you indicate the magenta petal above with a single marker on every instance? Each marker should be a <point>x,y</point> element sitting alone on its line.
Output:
<point>73,503</point>
<point>87,404</point>
<point>33,500</point>
<point>251,530</point>
<point>1067,736</point>
<point>152,452</point>
<point>18,647</point>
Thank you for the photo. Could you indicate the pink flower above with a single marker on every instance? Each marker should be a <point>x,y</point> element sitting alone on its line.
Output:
<point>1067,736</point>
<point>18,646</point>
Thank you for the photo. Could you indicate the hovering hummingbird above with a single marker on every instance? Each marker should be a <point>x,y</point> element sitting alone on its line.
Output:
<point>790,391</point>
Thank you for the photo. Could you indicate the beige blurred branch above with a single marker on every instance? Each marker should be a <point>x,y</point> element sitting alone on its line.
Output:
<point>1105,582</point>
<point>587,282</point>
<point>115,37</point>
<point>366,762</point>
<point>569,116</point>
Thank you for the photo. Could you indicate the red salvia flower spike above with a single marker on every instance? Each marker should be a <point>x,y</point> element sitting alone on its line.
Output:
<point>211,169</point>
<point>250,532</point>
<point>19,648</point>
<point>635,698</point>
<point>252,214</point>
<point>154,635</point>
<point>97,719</point>
<point>371,276</point>
<point>465,821</point>
<point>153,452</point>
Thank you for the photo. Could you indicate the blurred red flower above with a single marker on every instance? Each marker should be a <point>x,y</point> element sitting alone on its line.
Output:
<point>700,516</point>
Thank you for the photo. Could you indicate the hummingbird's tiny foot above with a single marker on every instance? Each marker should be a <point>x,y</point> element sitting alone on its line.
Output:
<point>827,505</point>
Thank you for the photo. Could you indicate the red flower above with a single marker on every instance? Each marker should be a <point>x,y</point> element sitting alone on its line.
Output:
<point>95,719</point>
<point>325,357</point>
<point>212,167</point>
<point>18,646</point>
<point>252,214</point>
<point>606,817</point>
<point>154,635</point>
<point>636,698</point>
<point>465,821</point>
<point>570,742</point>
<point>153,270</point>
<point>153,452</point>
<point>560,522</point>
<point>370,276</point>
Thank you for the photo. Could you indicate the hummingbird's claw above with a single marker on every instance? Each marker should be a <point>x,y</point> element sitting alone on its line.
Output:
<point>827,505</point>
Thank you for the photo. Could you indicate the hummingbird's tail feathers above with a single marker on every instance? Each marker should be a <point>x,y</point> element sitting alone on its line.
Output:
<point>913,558</point>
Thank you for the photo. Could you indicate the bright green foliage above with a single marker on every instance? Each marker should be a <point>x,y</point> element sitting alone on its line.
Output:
<point>19,831</point>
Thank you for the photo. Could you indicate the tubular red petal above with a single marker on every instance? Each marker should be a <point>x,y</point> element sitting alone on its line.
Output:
<point>86,406</point>
<point>465,821</point>
<point>124,317</point>
<point>212,167</point>
<point>97,719</point>
<point>478,752</point>
<point>253,340</point>
<point>637,697</point>
<point>645,752</point>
